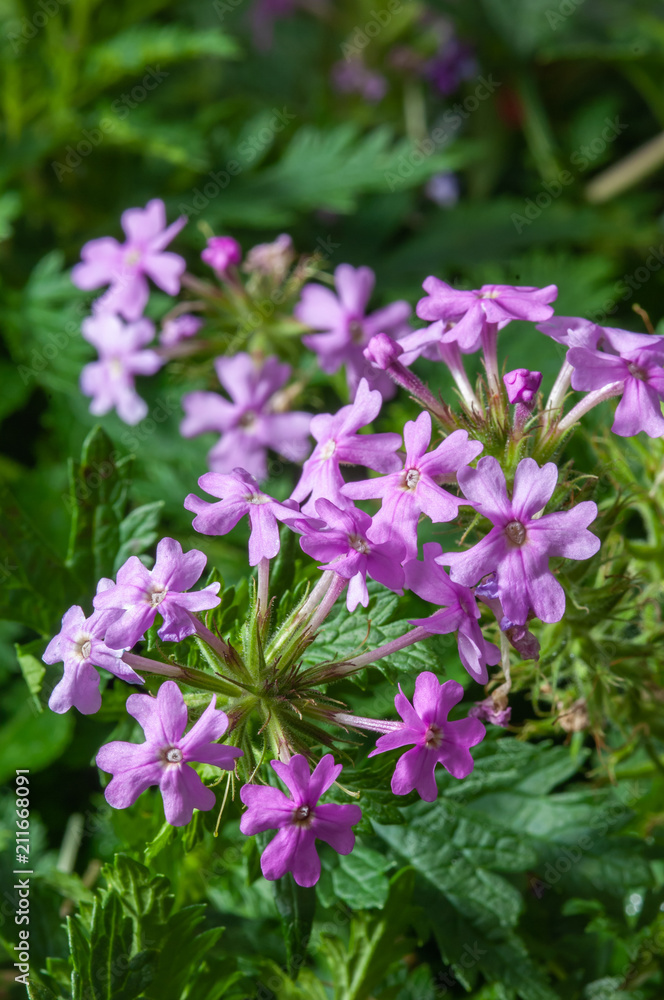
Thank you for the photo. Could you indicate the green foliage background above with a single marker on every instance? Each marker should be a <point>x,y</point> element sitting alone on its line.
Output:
<point>541,875</point>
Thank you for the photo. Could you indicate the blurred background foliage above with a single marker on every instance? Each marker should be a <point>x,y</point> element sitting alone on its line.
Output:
<point>547,177</point>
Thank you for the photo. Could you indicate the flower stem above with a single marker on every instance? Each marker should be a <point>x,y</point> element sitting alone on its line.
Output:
<point>335,589</point>
<point>587,403</point>
<point>559,391</point>
<point>451,356</point>
<point>490,351</point>
<point>360,722</point>
<point>263,584</point>
<point>188,675</point>
<point>415,635</point>
<point>416,387</point>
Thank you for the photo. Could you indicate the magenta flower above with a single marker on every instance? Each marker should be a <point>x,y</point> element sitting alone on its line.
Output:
<point>522,386</point>
<point>472,311</point>
<point>240,495</point>
<point>584,332</point>
<point>519,545</point>
<point>413,490</point>
<point>165,757</point>
<point>126,266</point>
<point>459,612</point>
<point>637,363</point>
<point>252,422</point>
<point>299,819</point>
<point>221,253</point>
<point>339,537</point>
<point>110,380</point>
<point>338,441</point>
<point>489,711</point>
<point>436,740</point>
<point>179,328</point>
<point>346,327</point>
<point>141,593</point>
<point>80,646</point>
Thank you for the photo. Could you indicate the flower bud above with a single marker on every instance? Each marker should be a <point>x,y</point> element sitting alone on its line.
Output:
<point>382,351</point>
<point>221,253</point>
<point>522,386</point>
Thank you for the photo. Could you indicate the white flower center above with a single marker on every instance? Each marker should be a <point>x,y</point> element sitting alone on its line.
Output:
<point>637,372</point>
<point>132,257</point>
<point>433,737</point>
<point>328,449</point>
<point>157,594</point>
<point>174,755</point>
<point>356,332</point>
<point>84,645</point>
<point>115,368</point>
<point>303,816</point>
<point>359,544</point>
<point>516,532</point>
<point>256,498</point>
<point>412,478</point>
<point>490,295</point>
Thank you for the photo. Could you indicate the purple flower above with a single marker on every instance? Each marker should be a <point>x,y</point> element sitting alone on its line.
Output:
<point>522,386</point>
<point>338,441</point>
<point>240,495</point>
<point>340,538</point>
<point>443,189</point>
<point>352,76</point>
<point>519,637</point>
<point>141,593</point>
<point>80,646</point>
<point>110,380</point>
<point>519,545</point>
<point>251,423</point>
<point>221,253</point>
<point>271,260</point>
<point>179,328</point>
<point>638,364</point>
<point>413,490</point>
<point>429,581</point>
<point>454,62</point>
<point>489,711</point>
<point>435,739</point>
<point>471,311</point>
<point>347,328</point>
<point>126,266</point>
<point>165,756</point>
<point>560,328</point>
<point>299,819</point>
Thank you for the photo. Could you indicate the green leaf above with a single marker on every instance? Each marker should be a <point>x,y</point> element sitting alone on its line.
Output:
<point>33,740</point>
<point>360,879</point>
<point>296,906</point>
<point>137,531</point>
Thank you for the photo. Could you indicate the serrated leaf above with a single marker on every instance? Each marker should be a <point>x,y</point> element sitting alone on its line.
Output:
<point>360,879</point>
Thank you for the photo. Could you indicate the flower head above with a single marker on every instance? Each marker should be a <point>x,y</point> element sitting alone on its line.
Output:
<point>519,545</point>
<point>299,819</point>
<point>239,494</point>
<point>436,740</point>
<point>271,260</point>
<point>637,362</point>
<point>142,594</point>
<point>346,328</point>
<point>179,328</point>
<point>250,422</point>
<point>127,266</point>
<point>340,538</point>
<point>80,646</point>
<point>471,311</point>
<point>338,442</point>
<point>221,253</point>
<point>352,76</point>
<point>110,380</point>
<point>414,490</point>
<point>459,612</point>
<point>164,758</point>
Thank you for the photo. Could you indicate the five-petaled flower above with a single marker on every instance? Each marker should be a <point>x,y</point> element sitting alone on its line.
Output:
<point>80,646</point>
<point>299,819</point>
<point>164,758</point>
<point>414,490</point>
<point>346,327</point>
<point>252,422</point>
<point>141,594</point>
<point>110,380</point>
<point>127,266</point>
<point>436,740</point>
<point>519,545</point>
